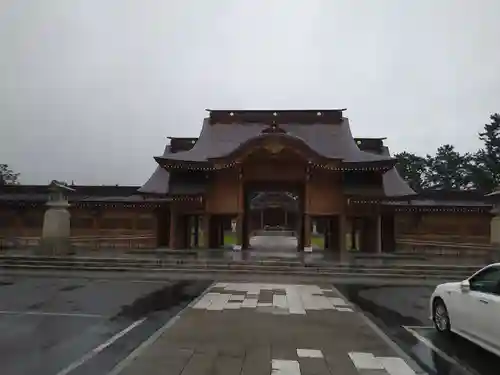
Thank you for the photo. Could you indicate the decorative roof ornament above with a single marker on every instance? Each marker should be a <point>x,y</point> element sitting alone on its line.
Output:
<point>273,128</point>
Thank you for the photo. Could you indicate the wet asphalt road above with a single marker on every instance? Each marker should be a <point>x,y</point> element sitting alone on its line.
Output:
<point>48,326</point>
<point>393,308</point>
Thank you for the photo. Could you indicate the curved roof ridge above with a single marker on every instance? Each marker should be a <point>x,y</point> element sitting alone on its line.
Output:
<point>394,184</point>
<point>354,148</point>
<point>263,136</point>
<point>159,180</point>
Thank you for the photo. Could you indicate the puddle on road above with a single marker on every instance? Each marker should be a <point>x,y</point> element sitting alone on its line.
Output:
<point>437,354</point>
<point>69,288</point>
<point>172,295</point>
<point>379,313</point>
<point>452,354</point>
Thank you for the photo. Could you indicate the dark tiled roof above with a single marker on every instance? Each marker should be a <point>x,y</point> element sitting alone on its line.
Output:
<point>82,193</point>
<point>42,191</point>
<point>178,144</point>
<point>158,183</point>
<point>394,184</point>
<point>329,140</point>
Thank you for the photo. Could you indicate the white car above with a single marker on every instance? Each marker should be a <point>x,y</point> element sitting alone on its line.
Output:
<point>471,308</point>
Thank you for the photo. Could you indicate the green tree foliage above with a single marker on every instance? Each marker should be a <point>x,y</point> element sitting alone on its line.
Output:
<point>448,169</point>
<point>485,171</point>
<point>413,169</point>
<point>7,176</point>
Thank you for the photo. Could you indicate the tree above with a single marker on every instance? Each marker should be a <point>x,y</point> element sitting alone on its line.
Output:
<point>7,176</point>
<point>486,161</point>
<point>413,169</point>
<point>449,170</point>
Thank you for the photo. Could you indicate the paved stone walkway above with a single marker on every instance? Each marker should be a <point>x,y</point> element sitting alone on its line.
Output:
<point>264,329</point>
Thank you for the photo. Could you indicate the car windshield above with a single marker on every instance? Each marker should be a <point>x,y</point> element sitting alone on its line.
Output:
<point>487,281</point>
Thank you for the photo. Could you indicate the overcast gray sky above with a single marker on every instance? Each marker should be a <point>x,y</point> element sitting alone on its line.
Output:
<point>90,89</point>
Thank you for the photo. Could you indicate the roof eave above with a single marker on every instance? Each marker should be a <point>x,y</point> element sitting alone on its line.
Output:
<point>376,165</point>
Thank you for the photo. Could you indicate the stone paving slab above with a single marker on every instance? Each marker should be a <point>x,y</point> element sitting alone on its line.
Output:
<point>300,332</point>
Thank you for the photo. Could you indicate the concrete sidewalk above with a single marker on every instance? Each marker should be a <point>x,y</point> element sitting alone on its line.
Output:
<point>263,329</point>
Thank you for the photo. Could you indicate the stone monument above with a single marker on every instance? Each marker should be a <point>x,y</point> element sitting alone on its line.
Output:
<point>56,230</point>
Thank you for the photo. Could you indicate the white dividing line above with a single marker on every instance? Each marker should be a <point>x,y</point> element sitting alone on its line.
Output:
<point>47,313</point>
<point>285,367</point>
<point>431,346</point>
<point>309,353</point>
<point>99,348</point>
<point>396,366</point>
<point>392,365</point>
<point>366,361</point>
<point>395,347</point>
<point>155,336</point>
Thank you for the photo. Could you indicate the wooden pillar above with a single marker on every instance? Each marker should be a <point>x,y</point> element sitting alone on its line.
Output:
<point>241,213</point>
<point>246,231</point>
<point>239,232</point>
<point>173,229</point>
<point>388,233</point>
<point>205,224</point>
<point>327,232</point>
<point>306,226</point>
<point>299,232</point>
<point>353,234</point>
<point>342,234</point>
<point>378,234</point>
<point>182,229</point>
<point>196,229</point>
<point>307,233</point>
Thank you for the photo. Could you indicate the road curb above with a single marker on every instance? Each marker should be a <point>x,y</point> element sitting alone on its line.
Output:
<point>395,347</point>
<point>124,363</point>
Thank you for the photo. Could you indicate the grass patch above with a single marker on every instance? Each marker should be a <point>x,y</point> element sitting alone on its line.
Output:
<point>318,242</point>
<point>229,238</point>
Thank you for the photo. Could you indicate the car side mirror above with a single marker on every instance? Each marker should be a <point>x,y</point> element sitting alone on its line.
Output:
<point>465,286</point>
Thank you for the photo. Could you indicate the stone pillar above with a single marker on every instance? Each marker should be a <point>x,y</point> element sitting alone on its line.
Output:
<point>56,231</point>
<point>307,233</point>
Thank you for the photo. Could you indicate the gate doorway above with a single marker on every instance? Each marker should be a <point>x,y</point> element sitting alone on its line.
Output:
<point>273,216</point>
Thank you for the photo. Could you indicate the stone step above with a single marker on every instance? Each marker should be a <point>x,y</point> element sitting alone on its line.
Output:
<point>304,272</point>
<point>76,263</point>
<point>206,262</point>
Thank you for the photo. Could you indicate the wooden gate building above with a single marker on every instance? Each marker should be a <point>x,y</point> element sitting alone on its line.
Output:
<point>338,180</point>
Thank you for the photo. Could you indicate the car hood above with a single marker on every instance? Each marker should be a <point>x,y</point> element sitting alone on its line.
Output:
<point>449,286</point>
